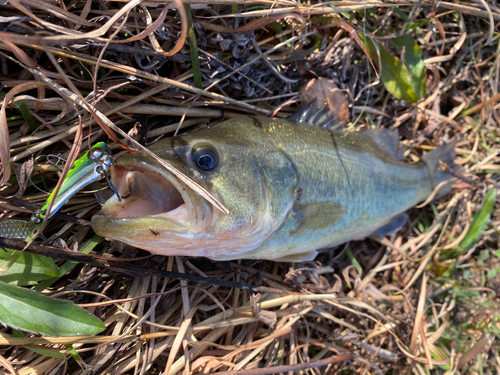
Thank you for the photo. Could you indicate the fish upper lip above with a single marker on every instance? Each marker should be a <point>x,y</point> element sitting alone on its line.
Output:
<point>134,168</point>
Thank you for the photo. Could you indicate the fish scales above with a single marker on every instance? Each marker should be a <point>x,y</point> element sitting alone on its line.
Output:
<point>292,189</point>
<point>348,169</point>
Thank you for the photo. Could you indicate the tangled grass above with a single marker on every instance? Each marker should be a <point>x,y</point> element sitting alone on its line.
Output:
<point>77,72</point>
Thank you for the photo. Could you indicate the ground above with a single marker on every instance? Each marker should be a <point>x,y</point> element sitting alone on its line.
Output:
<point>423,300</point>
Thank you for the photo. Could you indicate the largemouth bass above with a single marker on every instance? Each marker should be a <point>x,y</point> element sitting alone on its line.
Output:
<point>292,186</point>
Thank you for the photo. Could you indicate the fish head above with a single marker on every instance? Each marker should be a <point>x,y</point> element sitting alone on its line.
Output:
<point>251,176</point>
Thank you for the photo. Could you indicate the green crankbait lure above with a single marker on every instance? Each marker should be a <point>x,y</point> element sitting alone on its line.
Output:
<point>92,166</point>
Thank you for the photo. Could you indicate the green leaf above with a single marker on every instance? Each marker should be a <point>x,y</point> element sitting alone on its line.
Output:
<point>401,14</point>
<point>42,351</point>
<point>485,254</point>
<point>394,74</point>
<point>68,266</point>
<point>26,268</point>
<point>27,115</point>
<point>467,274</point>
<point>46,352</point>
<point>27,310</point>
<point>25,112</point>
<point>193,48</point>
<point>439,354</point>
<point>449,272</point>
<point>354,261</point>
<point>76,356</point>
<point>480,222</point>
<point>413,61</point>
<point>491,274</point>
<point>459,292</point>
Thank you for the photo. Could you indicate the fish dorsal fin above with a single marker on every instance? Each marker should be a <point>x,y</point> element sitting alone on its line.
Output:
<point>317,216</point>
<point>388,139</point>
<point>312,114</point>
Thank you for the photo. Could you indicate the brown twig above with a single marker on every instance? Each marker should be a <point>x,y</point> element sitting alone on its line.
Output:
<point>118,264</point>
<point>287,368</point>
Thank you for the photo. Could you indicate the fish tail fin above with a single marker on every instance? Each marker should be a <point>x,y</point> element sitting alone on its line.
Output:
<point>441,167</point>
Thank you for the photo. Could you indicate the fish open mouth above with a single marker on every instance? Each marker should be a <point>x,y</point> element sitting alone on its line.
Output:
<point>145,193</point>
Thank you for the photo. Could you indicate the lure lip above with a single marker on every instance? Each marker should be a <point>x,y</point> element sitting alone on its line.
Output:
<point>136,171</point>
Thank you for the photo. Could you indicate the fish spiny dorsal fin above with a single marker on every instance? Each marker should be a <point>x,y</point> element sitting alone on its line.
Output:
<point>312,114</point>
<point>388,139</point>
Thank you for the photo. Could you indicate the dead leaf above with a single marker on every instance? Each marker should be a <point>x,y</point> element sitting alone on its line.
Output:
<point>209,364</point>
<point>267,317</point>
<point>256,24</point>
<point>326,91</point>
<point>184,30</point>
<point>4,127</point>
<point>340,23</point>
<point>176,345</point>
<point>132,133</point>
<point>23,174</point>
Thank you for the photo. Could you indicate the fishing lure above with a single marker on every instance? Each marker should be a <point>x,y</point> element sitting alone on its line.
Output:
<point>92,166</point>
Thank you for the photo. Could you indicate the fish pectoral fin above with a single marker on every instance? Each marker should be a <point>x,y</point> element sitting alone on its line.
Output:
<point>393,226</point>
<point>295,258</point>
<point>317,216</point>
<point>388,139</point>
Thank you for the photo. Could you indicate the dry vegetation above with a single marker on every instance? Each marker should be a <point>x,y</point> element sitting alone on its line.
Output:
<point>412,302</point>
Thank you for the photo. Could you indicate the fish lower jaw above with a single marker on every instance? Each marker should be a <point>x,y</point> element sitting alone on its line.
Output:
<point>179,215</point>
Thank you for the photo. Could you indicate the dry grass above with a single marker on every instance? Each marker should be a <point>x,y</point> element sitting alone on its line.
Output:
<point>400,306</point>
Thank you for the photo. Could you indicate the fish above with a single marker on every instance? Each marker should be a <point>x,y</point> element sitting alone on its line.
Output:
<point>293,187</point>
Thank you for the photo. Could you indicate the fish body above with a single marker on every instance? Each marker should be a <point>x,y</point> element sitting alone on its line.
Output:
<point>292,188</point>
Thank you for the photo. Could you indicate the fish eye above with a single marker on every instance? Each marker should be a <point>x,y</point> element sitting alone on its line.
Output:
<point>206,158</point>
